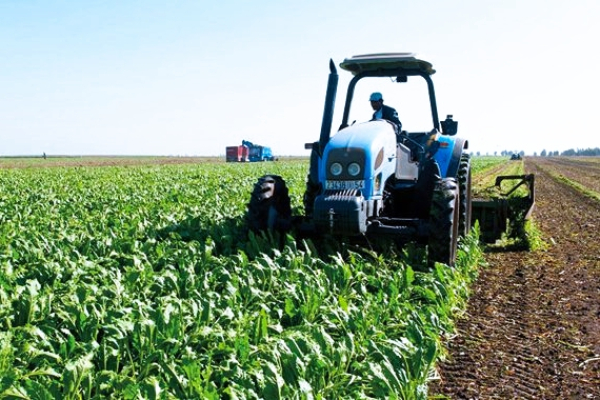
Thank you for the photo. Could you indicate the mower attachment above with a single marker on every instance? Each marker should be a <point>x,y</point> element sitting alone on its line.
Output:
<point>496,214</point>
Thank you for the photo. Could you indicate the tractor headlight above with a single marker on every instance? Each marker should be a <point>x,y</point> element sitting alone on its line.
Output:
<point>354,169</point>
<point>335,169</point>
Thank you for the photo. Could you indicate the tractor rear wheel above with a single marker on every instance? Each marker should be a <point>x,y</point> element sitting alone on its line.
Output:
<point>464,186</point>
<point>444,222</point>
<point>269,207</point>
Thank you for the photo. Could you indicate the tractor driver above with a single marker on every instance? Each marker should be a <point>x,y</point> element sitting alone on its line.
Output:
<point>384,112</point>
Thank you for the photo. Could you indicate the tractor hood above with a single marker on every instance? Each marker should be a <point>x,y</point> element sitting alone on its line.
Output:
<point>369,135</point>
<point>371,145</point>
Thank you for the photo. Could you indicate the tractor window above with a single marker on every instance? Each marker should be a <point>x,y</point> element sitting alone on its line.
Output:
<point>410,99</point>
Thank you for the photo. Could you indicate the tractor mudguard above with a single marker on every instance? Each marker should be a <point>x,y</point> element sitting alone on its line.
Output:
<point>449,154</point>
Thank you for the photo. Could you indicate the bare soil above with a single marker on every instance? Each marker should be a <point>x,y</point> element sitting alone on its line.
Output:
<point>532,326</point>
<point>582,170</point>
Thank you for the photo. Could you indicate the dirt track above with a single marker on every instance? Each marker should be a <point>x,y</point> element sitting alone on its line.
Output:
<point>532,328</point>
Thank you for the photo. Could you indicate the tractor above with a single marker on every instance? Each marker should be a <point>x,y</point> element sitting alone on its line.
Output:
<point>373,179</point>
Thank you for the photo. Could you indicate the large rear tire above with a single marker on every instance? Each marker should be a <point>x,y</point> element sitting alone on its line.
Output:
<point>464,186</point>
<point>443,222</point>
<point>269,207</point>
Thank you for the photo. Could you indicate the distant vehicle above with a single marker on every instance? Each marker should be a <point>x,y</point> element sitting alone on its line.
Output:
<point>236,153</point>
<point>258,152</point>
<point>248,151</point>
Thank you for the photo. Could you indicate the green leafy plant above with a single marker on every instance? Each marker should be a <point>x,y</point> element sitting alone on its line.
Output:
<point>140,282</point>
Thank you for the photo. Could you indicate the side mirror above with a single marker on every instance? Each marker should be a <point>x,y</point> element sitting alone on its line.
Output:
<point>449,126</point>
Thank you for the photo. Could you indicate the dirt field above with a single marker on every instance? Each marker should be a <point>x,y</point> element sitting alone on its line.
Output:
<point>532,327</point>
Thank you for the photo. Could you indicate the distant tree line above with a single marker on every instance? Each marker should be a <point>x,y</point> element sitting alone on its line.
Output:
<point>571,152</point>
<point>544,153</point>
<point>503,153</point>
<point>581,152</point>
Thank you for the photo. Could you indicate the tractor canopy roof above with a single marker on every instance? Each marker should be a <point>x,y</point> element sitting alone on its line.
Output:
<point>387,64</point>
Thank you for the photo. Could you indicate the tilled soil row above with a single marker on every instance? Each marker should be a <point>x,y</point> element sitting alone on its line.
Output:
<point>531,330</point>
<point>571,169</point>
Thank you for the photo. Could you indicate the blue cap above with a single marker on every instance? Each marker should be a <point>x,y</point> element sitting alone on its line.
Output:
<point>376,96</point>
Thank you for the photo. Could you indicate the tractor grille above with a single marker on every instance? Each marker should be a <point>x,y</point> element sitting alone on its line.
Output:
<point>341,194</point>
<point>340,212</point>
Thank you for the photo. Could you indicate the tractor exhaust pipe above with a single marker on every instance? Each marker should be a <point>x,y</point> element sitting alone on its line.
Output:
<point>329,106</point>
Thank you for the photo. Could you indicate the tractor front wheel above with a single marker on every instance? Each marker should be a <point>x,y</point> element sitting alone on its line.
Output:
<point>444,222</point>
<point>269,207</point>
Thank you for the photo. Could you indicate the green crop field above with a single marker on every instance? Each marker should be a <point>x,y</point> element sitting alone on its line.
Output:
<point>140,282</point>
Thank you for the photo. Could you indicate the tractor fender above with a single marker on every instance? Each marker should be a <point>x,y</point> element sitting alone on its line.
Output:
<point>448,155</point>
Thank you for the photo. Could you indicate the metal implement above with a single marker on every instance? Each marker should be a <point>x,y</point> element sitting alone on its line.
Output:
<point>495,215</point>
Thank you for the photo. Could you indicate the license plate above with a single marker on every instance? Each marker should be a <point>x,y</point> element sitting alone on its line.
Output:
<point>344,185</point>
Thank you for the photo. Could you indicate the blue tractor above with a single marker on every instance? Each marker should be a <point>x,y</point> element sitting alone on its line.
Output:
<point>373,178</point>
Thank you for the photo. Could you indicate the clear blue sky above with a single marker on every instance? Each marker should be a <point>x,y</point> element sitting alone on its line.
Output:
<point>191,77</point>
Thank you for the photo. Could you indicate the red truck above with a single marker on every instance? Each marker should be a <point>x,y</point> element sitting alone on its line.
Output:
<point>236,153</point>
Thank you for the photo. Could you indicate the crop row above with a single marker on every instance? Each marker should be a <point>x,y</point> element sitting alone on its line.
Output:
<point>141,282</point>
<point>484,181</point>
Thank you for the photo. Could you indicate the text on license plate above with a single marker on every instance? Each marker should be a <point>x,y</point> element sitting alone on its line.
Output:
<point>344,185</point>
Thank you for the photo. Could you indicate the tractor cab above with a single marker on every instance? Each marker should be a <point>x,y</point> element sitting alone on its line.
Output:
<point>398,67</point>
